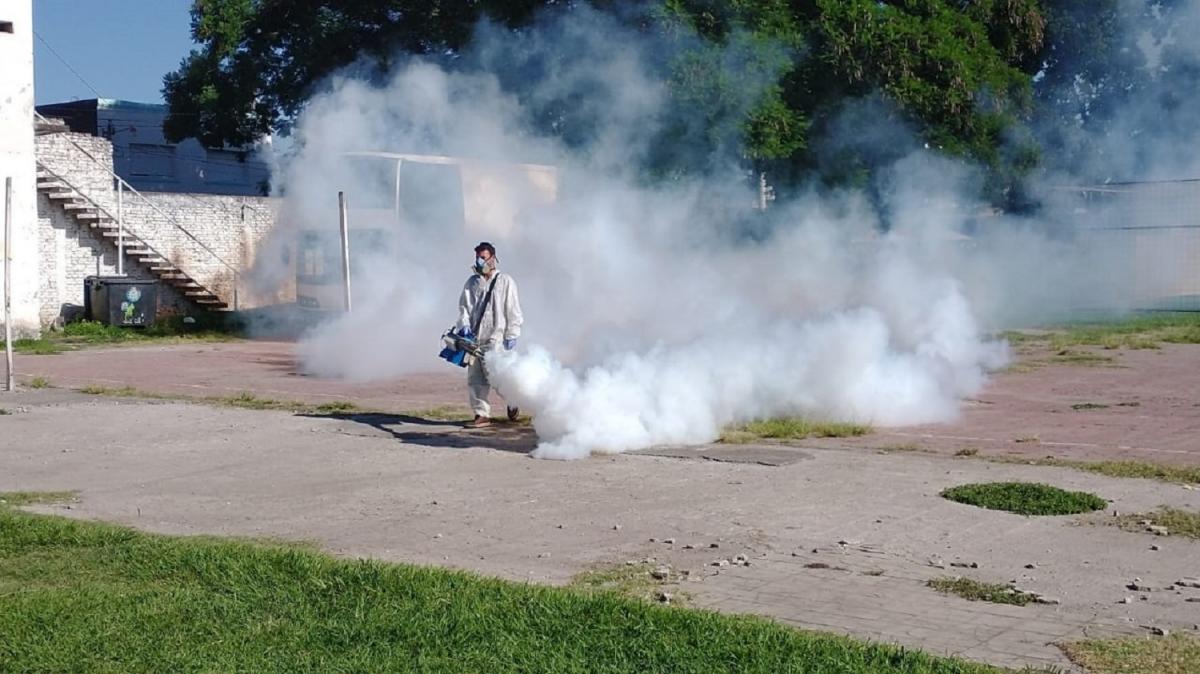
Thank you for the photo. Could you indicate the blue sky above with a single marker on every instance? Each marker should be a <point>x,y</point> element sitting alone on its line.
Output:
<point>122,48</point>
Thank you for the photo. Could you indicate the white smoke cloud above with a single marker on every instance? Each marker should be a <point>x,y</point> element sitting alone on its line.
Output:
<point>651,316</point>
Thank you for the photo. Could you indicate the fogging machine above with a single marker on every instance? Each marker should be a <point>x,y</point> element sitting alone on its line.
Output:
<point>461,347</point>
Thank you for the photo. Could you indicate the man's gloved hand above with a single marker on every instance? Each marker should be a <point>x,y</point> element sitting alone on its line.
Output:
<point>510,344</point>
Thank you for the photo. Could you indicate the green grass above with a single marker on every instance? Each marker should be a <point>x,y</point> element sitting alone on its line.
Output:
<point>122,392</point>
<point>337,407</point>
<point>4,412</point>
<point>38,382</point>
<point>83,596</point>
<point>1141,469</point>
<point>205,328</point>
<point>973,590</point>
<point>171,329</point>
<point>1135,331</point>
<point>244,400</point>
<point>1089,406</point>
<point>1176,521</point>
<point>1133,469</point>
<point>15,499</point>
<point>1174,654</point>
<point>35,347</point>
<point>1025,498</point>
<point>791,428</point>
<point>248,401</point>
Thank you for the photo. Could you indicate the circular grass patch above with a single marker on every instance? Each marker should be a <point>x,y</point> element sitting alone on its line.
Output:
<point>1025,498</point>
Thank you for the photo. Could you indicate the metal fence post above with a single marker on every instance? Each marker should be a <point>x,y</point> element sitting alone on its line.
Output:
<point>8,345</point>
<point>344,226</point>
<point>120,228</point>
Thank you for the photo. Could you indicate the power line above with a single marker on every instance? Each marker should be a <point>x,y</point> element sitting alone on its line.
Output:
<point>68,65</point>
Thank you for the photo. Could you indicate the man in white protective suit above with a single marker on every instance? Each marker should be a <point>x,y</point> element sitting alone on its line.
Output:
<point>490,309</point>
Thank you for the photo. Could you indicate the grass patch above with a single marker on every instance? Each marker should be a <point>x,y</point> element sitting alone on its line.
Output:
<point>16,499</point>
<point>632,581</point>
<point>1177,522</point>
<point>204,328</point>
<point>82,595</point>
<point>967,451</point>
<point>1134,469</point>
<point>248,401</point>
<point>443,413</point>
<point>171,329</point>
<point>791,428</point>
<point>1136,331</point>
<point>1142,469</point>
<point>35,347</point>
<point>1174,654</point>
<point>337,407</point>
<point>38,382</point>
<point>122,392</point>
<point>1089,406</point>
<point>1076,357</point>
<point>244,400</point>
<point>1025,498</point>
<point>4,412</point>
<point>910,447</point>
<point>973,590</point>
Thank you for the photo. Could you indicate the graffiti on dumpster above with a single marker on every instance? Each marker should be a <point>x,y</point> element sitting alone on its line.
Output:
<point>129,306</point>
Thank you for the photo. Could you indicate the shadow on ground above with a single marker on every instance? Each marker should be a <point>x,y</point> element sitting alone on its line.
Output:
<point>518,438</point>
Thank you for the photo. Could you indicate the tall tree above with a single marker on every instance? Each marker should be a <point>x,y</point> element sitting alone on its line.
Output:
<point>260,59</point>
<point>766,79</point>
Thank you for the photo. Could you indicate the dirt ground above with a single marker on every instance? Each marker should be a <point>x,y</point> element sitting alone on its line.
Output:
<point>839,536</point>
<point>1152,396</point>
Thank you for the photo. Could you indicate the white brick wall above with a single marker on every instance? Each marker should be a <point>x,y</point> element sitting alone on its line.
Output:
<point>70,253</point>
<point>210,237</point>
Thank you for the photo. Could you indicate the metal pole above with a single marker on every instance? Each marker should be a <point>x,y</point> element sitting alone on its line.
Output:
<point>120,228</point>
<point>345,246</point>
<point>8,342</point>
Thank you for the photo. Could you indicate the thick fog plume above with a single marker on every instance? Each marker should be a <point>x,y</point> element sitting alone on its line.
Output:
<point>656,314</point>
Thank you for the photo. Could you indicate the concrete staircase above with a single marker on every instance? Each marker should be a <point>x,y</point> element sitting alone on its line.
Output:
<point>102,224</point>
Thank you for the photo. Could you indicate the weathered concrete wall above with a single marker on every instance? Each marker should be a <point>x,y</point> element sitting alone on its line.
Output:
<point>211,237</point>
<point>17,162</point>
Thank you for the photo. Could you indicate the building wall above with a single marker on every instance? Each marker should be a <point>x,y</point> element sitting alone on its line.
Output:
<point>227,231</point>
<point>81,160</point>
<point>145,158</point>
<point>213,238</point>
<point>17,161</point>
<point>71,253</point>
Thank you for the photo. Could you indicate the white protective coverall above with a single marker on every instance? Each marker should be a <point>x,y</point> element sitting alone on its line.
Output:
<point>501,321</point>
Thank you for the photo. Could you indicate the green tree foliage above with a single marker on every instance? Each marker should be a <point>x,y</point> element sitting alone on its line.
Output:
<point>765,79</point>
<point>260,59</point>
<point>956,74</point>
